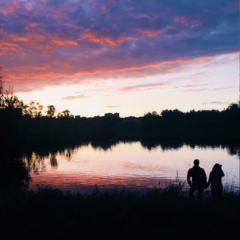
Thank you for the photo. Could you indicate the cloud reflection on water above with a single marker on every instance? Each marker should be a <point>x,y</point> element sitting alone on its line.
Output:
<point>130,165</point>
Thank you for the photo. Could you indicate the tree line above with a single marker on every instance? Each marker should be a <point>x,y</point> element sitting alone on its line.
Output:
<point>26,124</point>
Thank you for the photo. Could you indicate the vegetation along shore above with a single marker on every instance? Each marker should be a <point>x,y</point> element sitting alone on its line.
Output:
<point>154,214</point>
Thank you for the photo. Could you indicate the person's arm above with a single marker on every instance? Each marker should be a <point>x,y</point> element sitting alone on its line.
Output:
<point>209,180</point>
<point>189,177</point>
<point>205,176</point>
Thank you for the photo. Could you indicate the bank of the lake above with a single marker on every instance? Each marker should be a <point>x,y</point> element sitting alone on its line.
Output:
<point>155,214</point>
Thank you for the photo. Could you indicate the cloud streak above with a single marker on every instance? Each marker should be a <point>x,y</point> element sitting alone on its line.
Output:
<point>74,97</point>
<point>143,87</point>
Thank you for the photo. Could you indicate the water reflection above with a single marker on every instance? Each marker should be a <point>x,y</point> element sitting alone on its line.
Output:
<point>234,150</point>
<point>150,145</point>
<point>104,145</point>
<point>129,164</point>
<point>37,162</point>
<point>34,162</point>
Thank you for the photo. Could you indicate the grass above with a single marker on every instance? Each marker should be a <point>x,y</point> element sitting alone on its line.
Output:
<point>116,214</point>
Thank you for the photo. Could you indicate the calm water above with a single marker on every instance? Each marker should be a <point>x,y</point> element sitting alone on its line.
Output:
<point>128,165</point>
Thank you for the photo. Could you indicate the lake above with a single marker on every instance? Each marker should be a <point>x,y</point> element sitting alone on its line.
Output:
<point>129,165</point>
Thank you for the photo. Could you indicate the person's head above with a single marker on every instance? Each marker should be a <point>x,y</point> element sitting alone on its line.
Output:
<point>216,166</point>
<point>196,162</point>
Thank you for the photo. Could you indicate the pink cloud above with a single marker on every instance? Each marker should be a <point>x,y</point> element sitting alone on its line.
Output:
<point>142,15</point>
<point>149,32</point>
<point>87,34</point>
<point>188,21</point>
<point>192,85</point>
<point>27,78</point>
<point>62,42</point>
<point>32,24</point>
<point>74,97</point>
<point>9,7</point>
<point>143,86</point>
<point>90,36</point>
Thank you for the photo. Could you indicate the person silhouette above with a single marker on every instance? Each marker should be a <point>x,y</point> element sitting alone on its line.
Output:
<point>197,179</point>
<point>215,180</point>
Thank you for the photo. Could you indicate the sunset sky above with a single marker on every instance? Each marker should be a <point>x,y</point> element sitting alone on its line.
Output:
<point>127,56</point>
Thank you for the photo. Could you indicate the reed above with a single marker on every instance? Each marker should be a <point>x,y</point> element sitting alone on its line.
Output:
<point>116,214</point>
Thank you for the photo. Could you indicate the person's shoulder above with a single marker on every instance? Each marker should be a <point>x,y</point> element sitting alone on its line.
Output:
<point>190,170</point>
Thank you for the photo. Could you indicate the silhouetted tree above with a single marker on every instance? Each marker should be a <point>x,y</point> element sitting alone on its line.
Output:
<point>51,110</point>
<point>65,113</point>
<point>7,99</point>
<point>33,110</point>
<point>172,114</point>
<point>1,86</point>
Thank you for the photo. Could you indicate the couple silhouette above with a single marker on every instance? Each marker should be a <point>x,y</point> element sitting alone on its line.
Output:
<point>197,179</point>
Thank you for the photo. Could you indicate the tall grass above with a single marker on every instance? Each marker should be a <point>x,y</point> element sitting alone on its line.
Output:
<point>116,214</point>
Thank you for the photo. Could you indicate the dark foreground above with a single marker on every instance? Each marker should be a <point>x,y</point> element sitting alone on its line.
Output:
<point>156,214</point>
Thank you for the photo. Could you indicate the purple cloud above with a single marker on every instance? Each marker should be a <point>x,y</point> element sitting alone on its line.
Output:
<point>47,38</point>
